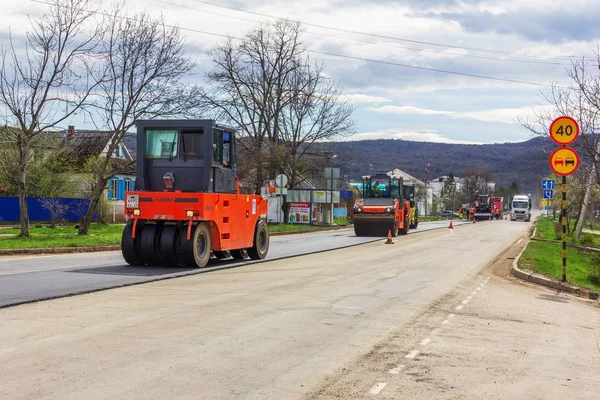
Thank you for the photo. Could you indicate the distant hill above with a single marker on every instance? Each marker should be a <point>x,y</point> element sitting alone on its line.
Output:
<point>525,162</point>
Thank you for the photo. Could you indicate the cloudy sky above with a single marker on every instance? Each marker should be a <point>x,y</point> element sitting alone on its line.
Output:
<point>382,52</point>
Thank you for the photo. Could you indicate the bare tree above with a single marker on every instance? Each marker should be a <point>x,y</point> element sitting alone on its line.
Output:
<point>580,100</point>
<point>249,85</point>
<point>46,83</point>
<point>316,112</point>
<point>144,67</point>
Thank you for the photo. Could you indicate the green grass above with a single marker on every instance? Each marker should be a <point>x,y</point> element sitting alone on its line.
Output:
<point>546,258</point>
<point>547,232</point>
<point>61,236</point>
<point>103,235</point>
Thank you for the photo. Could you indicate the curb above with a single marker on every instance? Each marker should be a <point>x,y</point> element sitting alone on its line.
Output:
<point>93,249</point>
<point>541,280</point>
<point>58,250</point>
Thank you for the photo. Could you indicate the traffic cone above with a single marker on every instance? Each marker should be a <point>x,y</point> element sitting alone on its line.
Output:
<point>450,226</point>
<point>389,239</point>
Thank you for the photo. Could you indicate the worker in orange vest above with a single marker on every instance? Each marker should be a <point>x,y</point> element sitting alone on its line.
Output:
<point>472,213</point>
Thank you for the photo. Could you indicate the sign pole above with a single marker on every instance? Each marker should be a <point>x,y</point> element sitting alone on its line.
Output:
<point>564,228</point>
<point>564,161</point>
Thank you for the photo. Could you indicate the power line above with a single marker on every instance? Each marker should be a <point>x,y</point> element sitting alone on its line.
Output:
<point>428,69</point>
<point>505,52</point>
<point>332,54</point>
<point>371,42</point>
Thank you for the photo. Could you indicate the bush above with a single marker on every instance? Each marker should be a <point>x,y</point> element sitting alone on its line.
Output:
<point>587,238</point>
<point>558,230</point>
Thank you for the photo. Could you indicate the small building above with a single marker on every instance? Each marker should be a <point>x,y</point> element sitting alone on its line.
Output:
<point>83,144</point>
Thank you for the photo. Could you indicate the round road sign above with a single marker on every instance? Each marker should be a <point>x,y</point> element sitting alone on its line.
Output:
<point>564,130</point>
<point>564,161</point>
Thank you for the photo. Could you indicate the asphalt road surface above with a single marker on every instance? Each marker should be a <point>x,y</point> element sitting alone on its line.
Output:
<point>26,279</point>
<point>424,318</point>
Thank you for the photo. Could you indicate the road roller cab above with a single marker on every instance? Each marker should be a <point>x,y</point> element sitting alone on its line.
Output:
<point>187,202</point>
<point>383,207</point>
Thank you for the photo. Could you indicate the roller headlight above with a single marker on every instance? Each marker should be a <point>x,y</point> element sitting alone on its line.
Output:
<point>359,210</point>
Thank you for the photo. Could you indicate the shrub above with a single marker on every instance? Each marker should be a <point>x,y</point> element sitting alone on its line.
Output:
<point>558,230</point>
<point>587,238</point>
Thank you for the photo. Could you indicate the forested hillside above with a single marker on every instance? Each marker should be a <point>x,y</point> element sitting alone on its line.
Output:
<point>524,162</point>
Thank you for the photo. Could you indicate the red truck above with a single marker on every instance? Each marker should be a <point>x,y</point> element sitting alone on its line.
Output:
<point>497,209</point>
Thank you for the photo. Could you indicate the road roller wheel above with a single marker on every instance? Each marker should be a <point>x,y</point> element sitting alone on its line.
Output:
<point>149,244</point>
<point>239,254</point>
<point>130,247</point>
<point>222,254</point>
<point>167,245</point>
<point>404,231</point>
<point>260,246</point>
<point>395,228</point>
<point>194,253</point>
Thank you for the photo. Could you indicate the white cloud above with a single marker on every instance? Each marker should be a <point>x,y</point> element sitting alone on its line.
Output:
<point>502,115</point>
<point>425,136</point>
<point>364,98</point>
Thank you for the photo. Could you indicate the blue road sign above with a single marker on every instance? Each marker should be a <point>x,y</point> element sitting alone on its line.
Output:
<point>548,194</point>
<point>548,184</point>
<point>547,207</point>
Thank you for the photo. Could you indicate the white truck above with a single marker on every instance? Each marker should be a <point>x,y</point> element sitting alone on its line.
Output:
<point>520,208</point>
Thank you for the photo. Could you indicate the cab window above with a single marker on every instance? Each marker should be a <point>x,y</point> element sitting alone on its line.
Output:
<point>161,143</point>
<point>223,148</point>
<point>192,145</point>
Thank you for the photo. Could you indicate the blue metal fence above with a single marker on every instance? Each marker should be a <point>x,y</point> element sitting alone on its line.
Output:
<point>9,209</point>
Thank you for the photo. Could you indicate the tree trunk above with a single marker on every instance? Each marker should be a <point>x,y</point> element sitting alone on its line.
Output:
<point>84,226</point>
<point>591,182</point>
<point>23,194</point>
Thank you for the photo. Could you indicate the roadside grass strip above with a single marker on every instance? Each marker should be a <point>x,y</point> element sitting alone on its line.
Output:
<point>61,236</point>
<point>545,230</point>
<point>545,258</point>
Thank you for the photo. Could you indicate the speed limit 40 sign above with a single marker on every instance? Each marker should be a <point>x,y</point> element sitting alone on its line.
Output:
<point>564,130</point>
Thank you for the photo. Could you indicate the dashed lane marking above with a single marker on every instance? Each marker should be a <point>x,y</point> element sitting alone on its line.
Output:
<point>465,301</point>
<point>412,354</point>
<point>395,371</point>
<point>450,316</point>
<point>378,387</point>
<point>425,341</point>
<point>458,308</point>
<point>445,322</point>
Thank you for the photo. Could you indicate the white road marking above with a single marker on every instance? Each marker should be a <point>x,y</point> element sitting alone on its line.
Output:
<point>412,354</point>
<point>445,322</point>
<point>465,301</point>
<point>450,316</point>
<point>377,388</point>
<point>458,308</point>
<point>474,293</point>
<point>478,289</point>
<point>425,341</point>
<point>395,371</point>
<point>469,297</point>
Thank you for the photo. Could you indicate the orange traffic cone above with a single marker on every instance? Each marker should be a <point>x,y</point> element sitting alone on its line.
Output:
<point>450,226</point>
<point>389,239</point>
